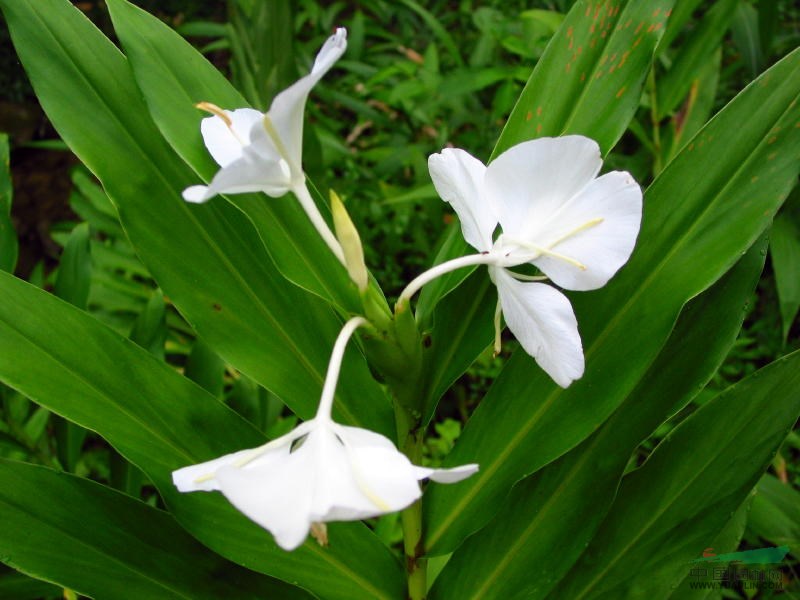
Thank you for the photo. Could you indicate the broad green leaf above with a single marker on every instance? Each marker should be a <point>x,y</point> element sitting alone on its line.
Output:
<point>707,207</point>
<point>545,524</point>
<point>692,55</point>
<point>174,77</point>
<point>785,253</point>
<point>590,78</point>
<point>588,82</point>
<point>672,507</point>
<point>161,421</point>
<point>9,247</point>
<point>208,259</point>
<point>775,514</point>
<point>101,543</point>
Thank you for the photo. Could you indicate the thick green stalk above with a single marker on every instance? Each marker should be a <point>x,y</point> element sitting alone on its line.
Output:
<point>411,435</point>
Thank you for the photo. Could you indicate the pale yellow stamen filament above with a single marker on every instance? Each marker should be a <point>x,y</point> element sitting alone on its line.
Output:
<point>218,112</point>
<point>548,252</point>
<point>276,139</point>
<point>589,224</point>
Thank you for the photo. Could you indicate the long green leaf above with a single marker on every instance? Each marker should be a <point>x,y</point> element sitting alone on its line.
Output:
<point>692,55</point>
<point>104,544</point>
<point>208,259</point>
<point>785,253</point>
<point>549,517</point>
<point>173,77</point>
<point>160,421</point>
<point>707,207</point>
<point>590,78</point>
<point>672,507</point>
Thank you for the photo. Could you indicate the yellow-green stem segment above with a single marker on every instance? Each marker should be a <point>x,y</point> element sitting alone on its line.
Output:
<point>411,435</point>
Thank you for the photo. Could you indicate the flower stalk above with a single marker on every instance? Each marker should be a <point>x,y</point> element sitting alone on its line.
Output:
<point>410,433</point>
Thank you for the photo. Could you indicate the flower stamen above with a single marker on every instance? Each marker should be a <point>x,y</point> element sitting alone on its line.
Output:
<point>279,145</point>
<point>319,531</point>
<point>588,225</point>
<point>219,112</point>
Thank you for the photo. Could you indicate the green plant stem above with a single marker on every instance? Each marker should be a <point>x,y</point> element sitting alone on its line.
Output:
<point>411,435</point>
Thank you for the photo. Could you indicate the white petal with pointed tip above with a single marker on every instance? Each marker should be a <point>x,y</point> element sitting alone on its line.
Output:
<point>458,178</point>
<point>288,106</point>
<point>247,174</point>
<point>453,475</point>
<point>602,248</point>
<point>542,320</point>
<point>225,143</point>
<point>277,494</point>
<point>529,183</point>
<point>186,479</point>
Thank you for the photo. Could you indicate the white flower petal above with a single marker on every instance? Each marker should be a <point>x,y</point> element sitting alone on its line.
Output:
<point>277,494</point>
<point>530,182</point>
<point>225,143</point>
<point>542,320</point>
<point>186,479</point>
<point>378,481</point>
<point>365,439</point>
<point>453,475</point>
<point>458,178</point>
<point>286,111</point>
<point>197,194</point>
<point>615,200</point>
<point>247,174</point>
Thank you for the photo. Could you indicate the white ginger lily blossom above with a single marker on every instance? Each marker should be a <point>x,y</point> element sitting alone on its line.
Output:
<point>321,471</point>
<point>262,152</point>
<point>555,213</point>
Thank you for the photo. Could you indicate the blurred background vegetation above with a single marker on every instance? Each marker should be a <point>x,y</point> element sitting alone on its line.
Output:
<point>417,76</point>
